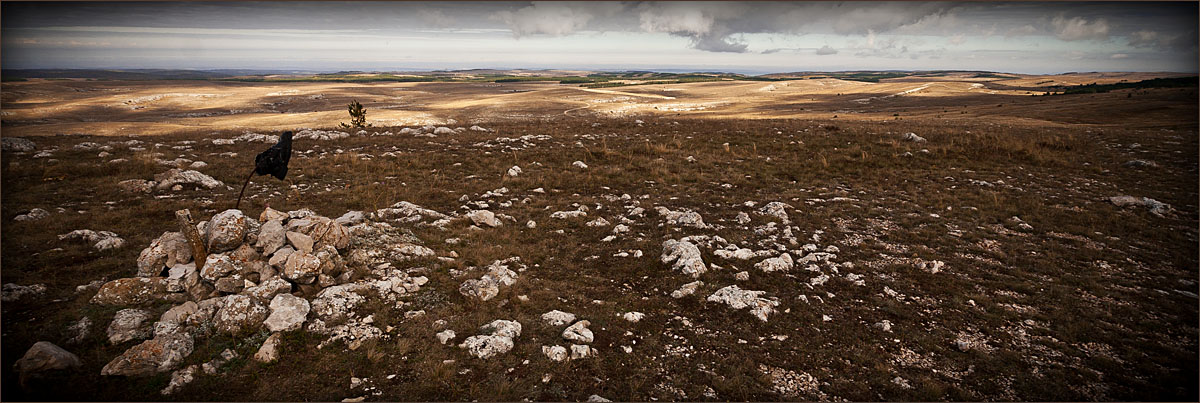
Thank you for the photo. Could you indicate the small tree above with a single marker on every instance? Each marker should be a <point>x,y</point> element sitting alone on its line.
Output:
<point>358,116</point>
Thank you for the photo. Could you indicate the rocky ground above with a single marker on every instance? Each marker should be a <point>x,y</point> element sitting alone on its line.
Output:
<point>583,259</point>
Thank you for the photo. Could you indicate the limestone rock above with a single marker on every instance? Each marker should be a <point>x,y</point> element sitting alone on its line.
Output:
<point>160,354</point>
<point>181,377</point>
<point>270,214</point>
<point>33,215</point>
<point>484,217</point>
<point>302,268</point>
<point>269,351</point>
<point>578,332</point>
<point>738,298</point>
<point>45,356</point>
<point>226,230</point>
<point>685,255</point>
<point>687,289</point>
<point>555,353</point>
<point>301,242</point>
<point>288,312</point>
<point>240,314</point>
<point>558,318</point>
<point>134,291</point>
<point>130,324</point>
<point>169,179</point>
<point>445,336</point>
<point>781,263</point>
<point>271,237</point>
<point>580,351</point>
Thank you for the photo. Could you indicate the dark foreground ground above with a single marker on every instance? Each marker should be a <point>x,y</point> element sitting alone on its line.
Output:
<point>1094,302</point>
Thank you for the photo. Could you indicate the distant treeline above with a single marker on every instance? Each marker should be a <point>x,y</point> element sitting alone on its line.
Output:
<point>1173,82</point>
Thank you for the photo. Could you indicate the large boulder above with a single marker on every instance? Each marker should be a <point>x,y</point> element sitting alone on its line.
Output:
<point>167,250</point>
<point>226,230</point>
<point>240,314</point>
<point>130,324</point>
<point>160,354</point>
<point>288,312</point>
<point>45,356</point>
<point>135,291</point>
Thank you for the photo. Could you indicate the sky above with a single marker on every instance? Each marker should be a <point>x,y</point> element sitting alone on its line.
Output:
<point>746,37</point>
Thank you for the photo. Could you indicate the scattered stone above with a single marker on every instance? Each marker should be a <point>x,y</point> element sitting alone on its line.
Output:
<point>884,325</point>
<point>685,255</point>
<point>738,298</point>
<point>555,353</point>
<point>578,332</point>
<point>500,340</point>
<point>302,243</point>
<point>16,144</point>
<point>514,171</point>
<point>742,276</point>
<point>33,215</point>
<point>269,351</point>
<point>558,318</point>
<point>687,289</point>
<point>180,378</point>
<point>913,137</point>
<point>488,286</point>
<point>12,292</point>
<point>484,217</point>
<point>781,263</point>
<point>742,218</point>
<point>777,210</point>
<point>171,178</point>
<point>43,357</point>
<point>350,218</point>
<point>101,240</point>
<point>580,351</point>
<point>634,317</point>
<point>445,336</point>
<point>531,224</point>
<point>684,218</point>
<point>579,164</point>
<point>1154,206</point>
<point>597,398</point>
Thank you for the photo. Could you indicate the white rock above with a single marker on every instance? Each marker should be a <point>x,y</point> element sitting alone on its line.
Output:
<point>578,332</point>
<point>484,217</point>
<point>558,318</point>
<point>269,351</point>
<point>685,255</point>
<point>531,224</point>
<point>687,289</point>
<point>580,351</point>
<point>781,263</point>
<point>634,316</point>
<point>737,298</point>
<point>288,312</point>
<point>130,324</point>
<point>555,353</point>
<point>514,171</point>
<point>445,336</point>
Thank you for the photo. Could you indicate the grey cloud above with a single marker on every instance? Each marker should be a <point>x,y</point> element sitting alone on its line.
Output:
<point>826,50</point>
<point>1077,28</point>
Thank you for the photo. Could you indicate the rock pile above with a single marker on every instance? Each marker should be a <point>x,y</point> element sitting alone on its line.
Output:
<point>279,272</point>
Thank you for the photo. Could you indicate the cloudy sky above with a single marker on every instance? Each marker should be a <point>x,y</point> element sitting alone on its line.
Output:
<point>1026,37</point>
